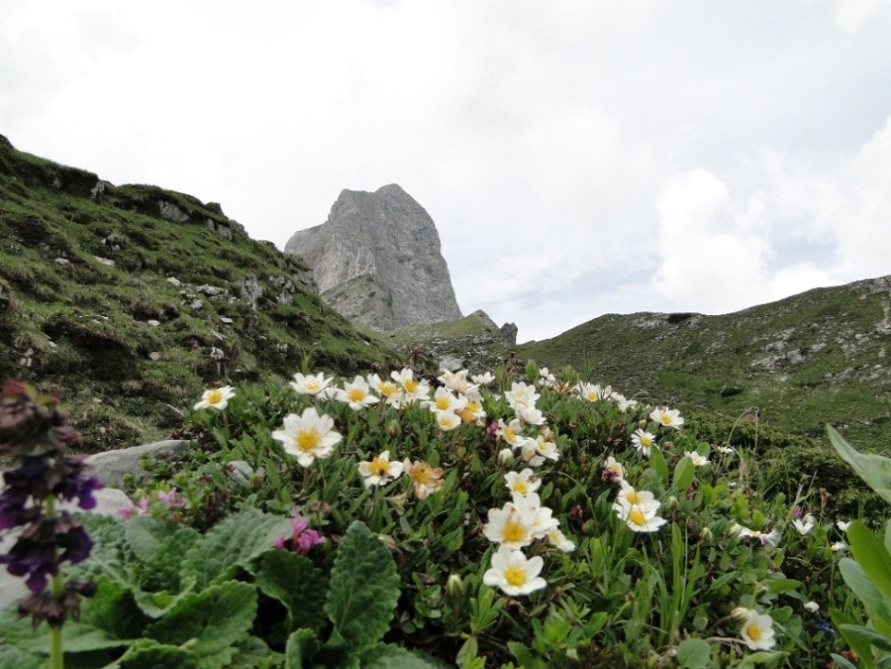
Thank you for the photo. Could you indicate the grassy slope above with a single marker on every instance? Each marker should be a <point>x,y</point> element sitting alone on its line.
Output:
<point>820,357</point>
<point>70,321</point>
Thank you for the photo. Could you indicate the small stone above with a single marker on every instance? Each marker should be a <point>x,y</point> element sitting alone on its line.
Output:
<point>153,323</point>
<point>63,261</point>
<point>154,355</point>
<point>227,321</point>
<point>173,281</point>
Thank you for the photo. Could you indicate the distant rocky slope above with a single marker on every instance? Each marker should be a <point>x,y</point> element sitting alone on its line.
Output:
<point>377,261</point>
<point>129,300</point>
<point>820,357</point>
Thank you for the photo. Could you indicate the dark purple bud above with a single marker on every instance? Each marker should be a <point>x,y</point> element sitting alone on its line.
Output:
<point>13,511</point>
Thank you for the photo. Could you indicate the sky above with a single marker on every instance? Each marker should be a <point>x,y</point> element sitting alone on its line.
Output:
<point>578,158</point>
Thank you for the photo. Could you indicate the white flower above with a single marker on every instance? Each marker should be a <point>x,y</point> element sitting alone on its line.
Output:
<point>543,519</point>
<point>667,417</point>
<point>696,459</point>
<point>804,525</point>
<point>456,381</point>
<point>558,539</point>
<point>412,389</point>
<point>511,432</point>
<point>643,441</point>
<point>387,389</point>
<point>589,391</point>
<point>638,518</point>
<point>482,379</point>
<point>473,412</point>
<point>426,479</point>
<point>726,450</point>
<point>757,631</point>
<point>643,499</point>
<point>843,525</point>
<point>839,546</point>
<point>380,471</point>
<point>308,436</point>
<point>529,414</point>
<point>310,384</point>
<point>622,402</point>
<point>614,469</point>
<point>445,400</point>
<point>217,398</point>
<point>521,395</point>
<point>523,482</point>
<point>766,539</point>
<point>813,607</point>
<point>356,394</point>
<point>447,420</point>
<point>513,573</point>
<point>511,526</point>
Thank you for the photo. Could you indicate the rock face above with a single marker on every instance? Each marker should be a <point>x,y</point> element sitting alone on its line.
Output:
<point>377,261</point>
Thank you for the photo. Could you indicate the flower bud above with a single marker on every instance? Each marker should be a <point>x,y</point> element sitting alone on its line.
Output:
<point>394,427</point>
<point>455,586</point>
<point>706,536</point>
<point>506,457</point>
<point>741,613</point>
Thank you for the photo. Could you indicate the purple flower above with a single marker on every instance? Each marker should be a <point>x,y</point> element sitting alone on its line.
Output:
<point>12,508</point>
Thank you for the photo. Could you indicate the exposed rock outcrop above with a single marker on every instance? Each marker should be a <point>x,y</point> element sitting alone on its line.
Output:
<point>377,260</point>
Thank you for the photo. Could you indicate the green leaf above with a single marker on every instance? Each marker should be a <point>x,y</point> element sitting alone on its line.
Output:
<point>683,473</point>
<point>875,470</point>
<point>657,462</point>
<point>212,622</point>
<point>842,662</point>
<point>13,658</point>
<point>694,653</point>
<point>114,610</point>
<point>149,654</point>
<point>363,590</point>
<point>301,648</point>
<point>145,534</point>
<point>863,649</point>
<point>387,656</point>
<point>870,553</point>
<point>297,583</point>
<point>876,606</point>
<point>869,636</point>
<point>782,585</point>
<point>232,542</point>
<point>162,569</point>
<point>77,637</point>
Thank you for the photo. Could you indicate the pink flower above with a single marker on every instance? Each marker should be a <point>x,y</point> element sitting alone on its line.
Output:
<point>172,498</point>
<point>302,538</point>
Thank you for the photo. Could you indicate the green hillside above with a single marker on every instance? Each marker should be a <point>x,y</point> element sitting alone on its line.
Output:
<point>131,299</point>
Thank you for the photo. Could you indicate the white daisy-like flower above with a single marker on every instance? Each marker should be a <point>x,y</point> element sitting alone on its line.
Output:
<point>356,394</point>
<point>558,539</point>
<point>426,479</point>
<point>310,384</point>
<point>412,389</point>
<point>804,525</point>
<point>521,394</point>
<point>696,459</point>
<point>455,381</point>
<point>523,482</point>
<point>613,469</point>
<point>529,414</point>
<point>843,525</point>
<point>215,398</point>
<point>590,391</point>
<point>513,573</point>
<point>766,538</point>
<point>510,432</point>
<point>482,379</point>
<point>839,546</point>
<point>643,441</point>
<point>643,499</point>
<point>445,400</point>
<point>473,411</point>
<point>639,518</point>
<point>543,516</point>
<point>757,631</point>
<point>388,389</point>
<point>447,420</point>
<point>380,471</point>
<point>667,417</point>
<point>511,526</point>
<point>308,436</point>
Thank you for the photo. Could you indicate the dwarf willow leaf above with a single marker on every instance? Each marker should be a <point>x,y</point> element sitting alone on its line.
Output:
<point>232,542</point>
<point>297,583</point>
<point>363,590</point>
<point>212,622</point>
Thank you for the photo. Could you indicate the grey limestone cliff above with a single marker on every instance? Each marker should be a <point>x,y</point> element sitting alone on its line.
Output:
<point>377,260</point>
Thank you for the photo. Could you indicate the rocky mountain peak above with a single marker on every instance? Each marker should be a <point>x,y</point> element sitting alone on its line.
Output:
<point>377,260</point>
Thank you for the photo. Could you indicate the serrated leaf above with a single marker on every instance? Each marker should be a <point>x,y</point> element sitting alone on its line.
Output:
<point>232,542</point>
<point>149,654</point>
<point>297,583</point>
<point>683,473</point>
<point>114,609</point>
<point>145,534</point>
<point>13,658</point>
<point>212,621</point>
<point>162,569</point>
<point>693,653</point>
<point>875,470</point>
<point>156,604</point>
<point>363,589</point>
<point>77,637</point>
<point>388,656</point>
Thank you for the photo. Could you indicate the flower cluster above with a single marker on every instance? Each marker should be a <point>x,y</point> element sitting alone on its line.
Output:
<point>34,433</point>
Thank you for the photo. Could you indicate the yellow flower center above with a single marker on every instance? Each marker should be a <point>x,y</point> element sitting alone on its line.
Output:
<point>307,440</point>
<point>515,576</point>
<point>379,467</point>
<point>442,403</point>
<point>666,419</point>
<point>215,396</point>
<point>646,441</point>
<point>754,632</point>
<point>387,389</point>
<point>422,474</point>
<point>634,497</point>
<point>636,517</point>
<point>313,386</point>
<point>509,435</point>
<point>513,532</point>
<point>521,487</point>
<point>356,395</point>
<point>410,385</point>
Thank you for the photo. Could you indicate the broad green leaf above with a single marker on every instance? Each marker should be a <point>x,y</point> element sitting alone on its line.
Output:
<point>212,622</point>
<point>875,470</point>
<point>13,658</point>
<point>869,636</point>
<point>870,553</point>
<point>876,606</point>
<point>149,654</point>
<point>861,647</point>
<point>162,569</point>
<point>114,610</point>
<point>301,648</point>
<point>297,583</point>
<point>387,656</point>
<point>232,542</point>
<point>657,462</point>
<point>683,473</point>
<point>156,604</point>
<point>694,653</point>
<point>782,585</point>
<point>145,534</point>
<point>842,662</point>
<point>78,637</point>
<point>363,590</point>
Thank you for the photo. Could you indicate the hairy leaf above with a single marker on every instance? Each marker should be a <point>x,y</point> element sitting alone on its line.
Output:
<point>149,654</point>
<point>145,534</point>
<point>387,656</point>
<point>297,583</point>
<point>302,646</point>
<point>363,590</point>
<point>693,653</point>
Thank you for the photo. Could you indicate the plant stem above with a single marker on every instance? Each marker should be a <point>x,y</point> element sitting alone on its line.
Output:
<point>57,587</point>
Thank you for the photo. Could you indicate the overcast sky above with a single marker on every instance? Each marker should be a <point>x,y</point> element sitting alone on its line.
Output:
<point>578,158</point>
